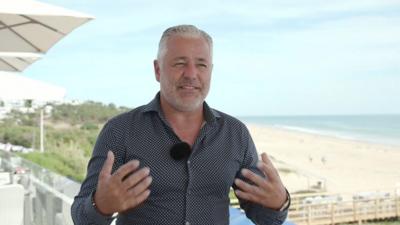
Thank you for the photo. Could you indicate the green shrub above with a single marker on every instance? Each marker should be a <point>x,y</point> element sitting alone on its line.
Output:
<point>70,134</point>
<point>89,126</point>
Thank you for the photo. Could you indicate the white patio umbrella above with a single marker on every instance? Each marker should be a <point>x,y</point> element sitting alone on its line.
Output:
<point>31,26</point>
<point>17,61</point>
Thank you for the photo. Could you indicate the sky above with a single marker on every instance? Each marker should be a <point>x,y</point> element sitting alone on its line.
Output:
<point>288,57</point>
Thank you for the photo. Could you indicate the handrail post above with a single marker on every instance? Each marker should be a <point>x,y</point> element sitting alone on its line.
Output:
<point>397,202</point>
<point>332,213</point>
<point>355,210</point>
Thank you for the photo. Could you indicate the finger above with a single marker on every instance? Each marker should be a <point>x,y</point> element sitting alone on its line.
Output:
<point>246,187</point>
<point>135,178</point>
<point>255,178</point>
<point>269,171</point>
<point>267,167</point>
<point>124,170</point>
<point>134,201</point>
<point>107,166</point>
<point>246,196</point>
<point>265,158</point>
<point>140,187</point>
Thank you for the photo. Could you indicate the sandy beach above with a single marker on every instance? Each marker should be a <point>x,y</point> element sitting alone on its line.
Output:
<point>338,165</point>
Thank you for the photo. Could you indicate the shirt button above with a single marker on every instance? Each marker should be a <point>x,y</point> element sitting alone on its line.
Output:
<point>188,162</point>
<point>187,223</point>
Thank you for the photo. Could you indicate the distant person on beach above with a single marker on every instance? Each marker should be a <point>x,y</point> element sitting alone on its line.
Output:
<point>323,160</point>
<point>174,160</point>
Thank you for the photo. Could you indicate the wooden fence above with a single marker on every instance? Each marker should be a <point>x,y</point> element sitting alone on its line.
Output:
<point>324,208</point>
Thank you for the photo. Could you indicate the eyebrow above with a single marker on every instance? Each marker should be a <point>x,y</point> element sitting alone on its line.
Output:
<point>185,58</point>
<point>180,58</point>
<point>201,60</point>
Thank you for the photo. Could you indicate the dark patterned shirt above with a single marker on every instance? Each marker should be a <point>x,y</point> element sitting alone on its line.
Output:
<point>193,191</point>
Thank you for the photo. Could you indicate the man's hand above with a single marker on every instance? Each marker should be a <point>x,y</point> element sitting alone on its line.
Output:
<point>123,190</point>
<point>268,192</point>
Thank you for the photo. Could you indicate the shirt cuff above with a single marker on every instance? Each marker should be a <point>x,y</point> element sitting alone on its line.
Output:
<point>93,215</point>
<point>268,216</point>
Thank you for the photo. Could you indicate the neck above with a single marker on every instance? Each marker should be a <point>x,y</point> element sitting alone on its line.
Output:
<point>186,125</point>
<point>181,117</point>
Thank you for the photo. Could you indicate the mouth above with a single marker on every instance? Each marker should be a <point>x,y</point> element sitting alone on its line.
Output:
<point>188,87</point>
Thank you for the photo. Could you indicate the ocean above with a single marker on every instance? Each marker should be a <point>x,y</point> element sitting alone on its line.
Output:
<point>382,129</point>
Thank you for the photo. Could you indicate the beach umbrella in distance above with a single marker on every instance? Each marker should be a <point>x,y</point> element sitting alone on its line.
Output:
<point>32,26</point>
<point>17,61</point>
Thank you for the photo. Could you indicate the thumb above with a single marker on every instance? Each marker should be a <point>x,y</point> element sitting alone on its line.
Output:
<point>264,157</point>
<point>107,166</point>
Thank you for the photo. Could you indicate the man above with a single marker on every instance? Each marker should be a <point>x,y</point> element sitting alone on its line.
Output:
<point>174,160</point>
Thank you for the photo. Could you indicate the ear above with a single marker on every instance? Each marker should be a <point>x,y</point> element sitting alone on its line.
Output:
<point>156,69</point>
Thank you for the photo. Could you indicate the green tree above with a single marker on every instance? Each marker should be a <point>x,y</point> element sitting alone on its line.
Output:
<point>28,103</point>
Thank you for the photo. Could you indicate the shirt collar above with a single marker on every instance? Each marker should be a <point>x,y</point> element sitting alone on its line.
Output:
<point>210,115</point>
<point>154,105</point>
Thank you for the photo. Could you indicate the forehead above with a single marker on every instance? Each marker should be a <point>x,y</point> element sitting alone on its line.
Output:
<point>187,46</point>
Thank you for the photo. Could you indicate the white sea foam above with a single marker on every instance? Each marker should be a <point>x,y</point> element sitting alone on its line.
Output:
<point>384,129</point>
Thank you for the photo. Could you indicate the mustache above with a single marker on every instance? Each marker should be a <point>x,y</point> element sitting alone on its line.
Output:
<point>189,82</point>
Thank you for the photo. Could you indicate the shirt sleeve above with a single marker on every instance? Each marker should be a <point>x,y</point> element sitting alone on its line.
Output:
<point>255,212</point>
<point>82,210</point>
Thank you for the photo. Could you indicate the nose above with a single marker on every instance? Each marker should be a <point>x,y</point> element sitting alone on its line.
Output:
<point>190,71</point>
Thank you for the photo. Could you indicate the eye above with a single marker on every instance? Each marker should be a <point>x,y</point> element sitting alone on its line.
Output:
<point>179,64</point>
<point>202,65</point>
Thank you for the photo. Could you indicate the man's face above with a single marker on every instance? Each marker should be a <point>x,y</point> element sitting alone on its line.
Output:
<point>184,72</point>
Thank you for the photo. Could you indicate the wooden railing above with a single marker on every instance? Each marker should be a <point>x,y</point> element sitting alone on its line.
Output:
<point>324,208</point>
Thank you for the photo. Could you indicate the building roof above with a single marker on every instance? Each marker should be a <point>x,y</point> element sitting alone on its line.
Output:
<point>14,87</point>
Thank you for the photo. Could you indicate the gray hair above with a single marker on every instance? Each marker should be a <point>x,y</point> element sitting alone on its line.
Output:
<point>182,30</point>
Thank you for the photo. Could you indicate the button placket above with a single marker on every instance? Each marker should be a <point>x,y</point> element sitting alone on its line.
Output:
<point>188,188</point>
